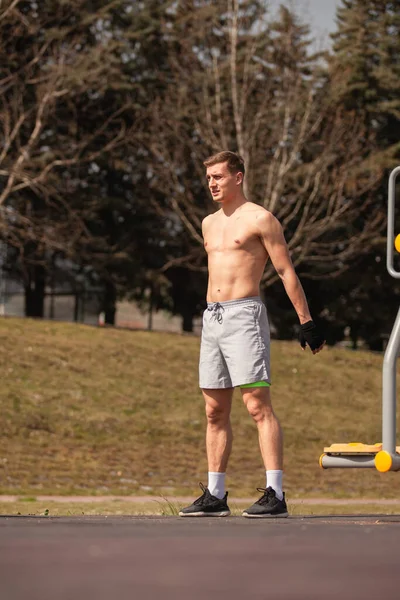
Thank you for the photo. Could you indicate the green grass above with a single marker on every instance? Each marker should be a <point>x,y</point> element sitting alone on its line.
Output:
<point>103,411</point>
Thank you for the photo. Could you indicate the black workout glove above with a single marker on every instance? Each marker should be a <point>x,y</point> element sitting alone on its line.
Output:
<point>310,335</point>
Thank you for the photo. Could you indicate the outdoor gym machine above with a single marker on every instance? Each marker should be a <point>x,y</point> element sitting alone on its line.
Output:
<point>384,456</point>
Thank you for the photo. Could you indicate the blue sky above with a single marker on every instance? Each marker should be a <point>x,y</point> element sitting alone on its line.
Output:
<point>319,14</point>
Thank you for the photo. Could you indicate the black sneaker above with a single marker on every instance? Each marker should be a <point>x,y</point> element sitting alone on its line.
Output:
<point>267,506</point>
<point>207,506</point>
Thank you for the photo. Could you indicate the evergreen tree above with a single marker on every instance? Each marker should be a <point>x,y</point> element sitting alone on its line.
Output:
<point>365,53</point>
<point>365,77</point>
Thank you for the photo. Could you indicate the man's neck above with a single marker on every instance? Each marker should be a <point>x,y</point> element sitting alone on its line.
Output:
<point>228,208</point>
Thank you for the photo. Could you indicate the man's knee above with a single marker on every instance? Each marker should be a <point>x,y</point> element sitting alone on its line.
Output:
<point>218,405</point>
<point>217,414</point>
<point>258,404</point>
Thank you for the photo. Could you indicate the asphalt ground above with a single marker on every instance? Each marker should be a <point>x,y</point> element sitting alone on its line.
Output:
<point>172,558</point>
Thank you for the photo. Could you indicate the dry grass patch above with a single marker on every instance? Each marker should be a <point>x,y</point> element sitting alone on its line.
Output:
<point>103,411</point>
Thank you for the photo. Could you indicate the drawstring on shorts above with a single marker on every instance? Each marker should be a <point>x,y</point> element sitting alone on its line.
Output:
<point>216,309</point>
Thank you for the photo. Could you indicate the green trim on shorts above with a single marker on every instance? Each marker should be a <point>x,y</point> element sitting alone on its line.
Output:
<point>255,384</point>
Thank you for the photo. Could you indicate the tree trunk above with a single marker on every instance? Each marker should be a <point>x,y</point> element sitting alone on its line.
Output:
<point>354,335</point>
<point>187,321</point>
<point>35,292</point>
<point>76,307</point>
<point>110,300</point>
<point>151,309</point>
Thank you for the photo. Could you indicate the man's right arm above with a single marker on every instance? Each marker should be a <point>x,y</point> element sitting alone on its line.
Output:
<point>205,223</point>
<point>204,226</point>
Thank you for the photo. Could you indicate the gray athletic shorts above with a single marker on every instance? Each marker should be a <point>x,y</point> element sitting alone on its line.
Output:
<point>235,344</point>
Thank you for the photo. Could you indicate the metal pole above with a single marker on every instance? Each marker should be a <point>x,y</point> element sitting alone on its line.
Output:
<point>390,223</point>
<point>351,462</point>
<point>389,389</point>
<point>392,349</point>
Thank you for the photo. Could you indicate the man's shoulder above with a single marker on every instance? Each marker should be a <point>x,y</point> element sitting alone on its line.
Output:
<point>260,213</point>
<point>209,218</point>
<point>264,222</point>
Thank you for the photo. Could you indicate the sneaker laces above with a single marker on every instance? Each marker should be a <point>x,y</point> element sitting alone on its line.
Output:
<point>204,490</point>
<point>216,308</point>
<point>267,494</point>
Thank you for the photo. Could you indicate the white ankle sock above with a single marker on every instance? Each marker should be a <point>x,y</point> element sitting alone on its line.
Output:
<point>274,480</point>
<point>216,484</point>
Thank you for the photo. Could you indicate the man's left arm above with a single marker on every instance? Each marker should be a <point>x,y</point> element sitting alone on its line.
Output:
<point>275,244</point>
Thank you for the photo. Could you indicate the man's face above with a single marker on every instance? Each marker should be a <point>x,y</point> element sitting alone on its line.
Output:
<point>222,184</point>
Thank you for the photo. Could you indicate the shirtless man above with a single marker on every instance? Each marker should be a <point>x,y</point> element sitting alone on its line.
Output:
<point>235,344</point>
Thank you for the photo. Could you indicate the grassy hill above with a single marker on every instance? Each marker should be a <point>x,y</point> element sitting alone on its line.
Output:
<point>103,411</point>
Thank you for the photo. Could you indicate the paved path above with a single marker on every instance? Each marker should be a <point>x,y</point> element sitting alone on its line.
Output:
<point>170,558</point>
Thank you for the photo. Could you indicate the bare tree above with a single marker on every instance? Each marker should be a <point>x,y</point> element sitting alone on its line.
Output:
<point>252,87</point>
<point>58,122</point>
<point>40,90</point>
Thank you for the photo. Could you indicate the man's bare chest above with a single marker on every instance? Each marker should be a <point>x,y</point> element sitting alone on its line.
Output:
<point>230,237</point>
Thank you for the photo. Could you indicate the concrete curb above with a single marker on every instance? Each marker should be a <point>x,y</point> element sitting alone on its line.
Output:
<point>189,499</point>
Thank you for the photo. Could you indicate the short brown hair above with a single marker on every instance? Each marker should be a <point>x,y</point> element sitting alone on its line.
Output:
<point>235,163</point>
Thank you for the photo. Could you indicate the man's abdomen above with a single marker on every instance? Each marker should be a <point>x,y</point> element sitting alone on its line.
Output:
<point>234,275</point>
